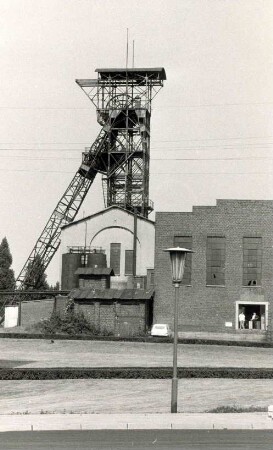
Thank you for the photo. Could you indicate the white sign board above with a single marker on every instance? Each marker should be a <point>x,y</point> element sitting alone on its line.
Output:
<point>11,316</point>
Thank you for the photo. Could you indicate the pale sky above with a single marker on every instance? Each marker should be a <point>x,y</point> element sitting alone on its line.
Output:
<point>215,110</point>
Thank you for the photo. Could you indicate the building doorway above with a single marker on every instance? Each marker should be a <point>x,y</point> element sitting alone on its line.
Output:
<point>256,315</point>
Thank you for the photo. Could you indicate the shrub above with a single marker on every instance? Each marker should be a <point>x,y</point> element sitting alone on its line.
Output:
<point>71,324</point>
<point>237,409</point>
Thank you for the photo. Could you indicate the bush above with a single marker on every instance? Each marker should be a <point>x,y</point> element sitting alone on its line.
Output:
<point>237,409</point>
<point>72,324</point>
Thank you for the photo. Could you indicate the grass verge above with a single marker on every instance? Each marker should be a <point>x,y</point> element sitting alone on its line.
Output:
<point>133,373</point>
<point>147,339</point>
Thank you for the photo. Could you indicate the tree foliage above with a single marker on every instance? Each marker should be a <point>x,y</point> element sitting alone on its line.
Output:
<point>55,287</point>
<point>7,279</point>
<point>35,277</point>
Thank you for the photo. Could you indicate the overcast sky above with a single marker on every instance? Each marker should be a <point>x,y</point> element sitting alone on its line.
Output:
<point>211,124</point>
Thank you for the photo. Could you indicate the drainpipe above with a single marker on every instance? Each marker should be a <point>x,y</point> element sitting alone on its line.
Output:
<point>135,243</point>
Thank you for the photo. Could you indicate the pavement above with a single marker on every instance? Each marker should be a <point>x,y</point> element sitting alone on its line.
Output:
<point>179,421</point>
<point>67,353</point>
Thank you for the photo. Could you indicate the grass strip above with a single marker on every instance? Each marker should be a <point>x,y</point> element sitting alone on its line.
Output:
<point>147,339</point>
<point>133,373</point>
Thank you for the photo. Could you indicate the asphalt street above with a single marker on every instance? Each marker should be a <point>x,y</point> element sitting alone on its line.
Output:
<point>138,440</point>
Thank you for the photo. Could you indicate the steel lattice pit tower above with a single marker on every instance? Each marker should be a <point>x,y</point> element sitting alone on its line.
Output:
<point>122,98</point>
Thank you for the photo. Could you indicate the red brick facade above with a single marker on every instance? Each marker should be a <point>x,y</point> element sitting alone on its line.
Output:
<point>215,308</point>
<point>102,282</point>
<point>119,319</point>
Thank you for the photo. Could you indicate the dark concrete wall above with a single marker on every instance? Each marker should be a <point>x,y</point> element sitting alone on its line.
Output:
<point>36,310</point>
<point>70,263</point>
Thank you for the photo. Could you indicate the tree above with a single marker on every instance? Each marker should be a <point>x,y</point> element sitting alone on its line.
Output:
<point>35,275</point>
<point>56,287</point>
<point>7,279</point>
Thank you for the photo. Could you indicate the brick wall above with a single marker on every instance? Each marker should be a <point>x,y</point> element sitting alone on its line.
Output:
<point>102,282</point>
<point>107,317</point>
<point>114,317</point>
<point>88,309</point>
<point>207,308</point>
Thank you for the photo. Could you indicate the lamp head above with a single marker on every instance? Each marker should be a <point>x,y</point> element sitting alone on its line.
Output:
<point>178,258</point>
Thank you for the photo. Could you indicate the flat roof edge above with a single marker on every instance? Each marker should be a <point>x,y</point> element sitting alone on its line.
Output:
<point>159,70</point>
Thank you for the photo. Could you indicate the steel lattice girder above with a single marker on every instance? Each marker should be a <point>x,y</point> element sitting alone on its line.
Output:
<point>123,100</point>
<point>64,213</point>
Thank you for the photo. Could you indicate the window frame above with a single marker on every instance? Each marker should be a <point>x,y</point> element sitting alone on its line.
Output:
<point>116,272</point>
<point>216,254</point>
<point>252,261</point>
<point>131,252</point>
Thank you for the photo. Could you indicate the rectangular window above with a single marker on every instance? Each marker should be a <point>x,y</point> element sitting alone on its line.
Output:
<point>84,260</point>
<point>185,242</point>
<point>150,278</point>
<point>252,261</point>
<point>129,255</point>
<point>216,256</point>
<point>115,258</point>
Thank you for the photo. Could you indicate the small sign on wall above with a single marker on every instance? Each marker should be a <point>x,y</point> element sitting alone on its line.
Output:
<point>228,324</point>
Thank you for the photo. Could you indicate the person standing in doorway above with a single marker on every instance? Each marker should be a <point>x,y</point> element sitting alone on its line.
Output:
<point>254,319</point>
<point>242,319</point>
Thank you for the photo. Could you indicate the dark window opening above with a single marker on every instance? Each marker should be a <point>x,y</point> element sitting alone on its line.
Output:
<point>129,255</point>
<point>216,256</point>
<point>115,258</point>
<point>150,278</point>
<point>252,261</point>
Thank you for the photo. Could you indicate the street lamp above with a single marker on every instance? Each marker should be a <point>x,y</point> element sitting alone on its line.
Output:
<point>178,258</point>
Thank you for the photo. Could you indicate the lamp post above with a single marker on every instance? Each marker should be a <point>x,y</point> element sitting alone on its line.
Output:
<point>178,258</point>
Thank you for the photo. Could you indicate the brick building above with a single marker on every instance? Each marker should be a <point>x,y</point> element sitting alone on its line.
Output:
<point>229,273</point>
<point>121,312</point>
<point>97,277</point>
